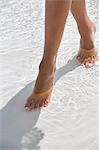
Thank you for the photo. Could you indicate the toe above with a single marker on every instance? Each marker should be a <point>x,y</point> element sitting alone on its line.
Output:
<point>27,109</point>
<point>46,104</point>
<point>33,106</point>
<point>80,59</point>
<point>90,62</point>
<point>85,61</point>
<point>36,106</point>
<point>41,103</point>
<point>93,61</point>
<point>88,65</point>
<point>89,59</point>
<point>28,103</point>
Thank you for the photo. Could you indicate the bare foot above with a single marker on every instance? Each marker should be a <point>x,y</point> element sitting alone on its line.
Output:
<point>43,86</point>
<point>87,57</point>
<point>87,54</point>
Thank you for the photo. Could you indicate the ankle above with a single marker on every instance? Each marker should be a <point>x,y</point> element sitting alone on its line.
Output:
<point>47,66</point>
<point>87,33</point>
<point>87,42</point>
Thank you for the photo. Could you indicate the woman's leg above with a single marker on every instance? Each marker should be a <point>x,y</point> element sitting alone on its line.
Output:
<point>56,12</point>
<point>86,29</point>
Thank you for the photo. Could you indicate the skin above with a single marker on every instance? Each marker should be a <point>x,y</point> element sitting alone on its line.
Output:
<point>86,30</point>
<point>56,13</point>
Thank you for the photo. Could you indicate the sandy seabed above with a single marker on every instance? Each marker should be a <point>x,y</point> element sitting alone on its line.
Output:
<point>71,121</point>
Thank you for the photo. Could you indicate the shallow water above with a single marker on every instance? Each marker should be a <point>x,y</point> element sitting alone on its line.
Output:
<point>71,121</point>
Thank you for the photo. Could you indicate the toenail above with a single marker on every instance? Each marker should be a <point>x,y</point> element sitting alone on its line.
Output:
<point>90,64</point>
<point>27,108</point>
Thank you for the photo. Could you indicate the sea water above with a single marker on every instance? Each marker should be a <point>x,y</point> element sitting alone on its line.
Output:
<point>71,121</point>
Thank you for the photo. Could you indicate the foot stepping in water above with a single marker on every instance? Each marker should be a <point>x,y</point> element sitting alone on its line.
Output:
<point>42,91</point>
<point>87,57</point>
<point>38,100</point>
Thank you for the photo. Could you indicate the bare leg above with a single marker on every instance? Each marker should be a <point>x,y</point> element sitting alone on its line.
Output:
<point>55,17</point>
<point>86,29</point>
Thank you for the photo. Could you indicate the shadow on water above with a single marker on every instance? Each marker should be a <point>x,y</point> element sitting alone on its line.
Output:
<point>70,66</point>
<point>17,126</point>
<point>15,122</point>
